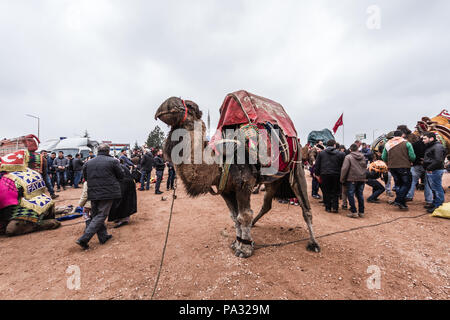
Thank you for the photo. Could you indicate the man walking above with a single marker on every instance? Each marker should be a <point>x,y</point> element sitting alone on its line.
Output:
<point>171,177</point>
<point>353,175</point>
<point>328,169</point>
<point>51,169</point>
<point>70,173</point>
<point>399,154</point>
<point>46,176</point>
<point>146,170</point>
<point>159,167</point>
<point>61,164</point>
<point>77,170</point>
<point>433,163</point>
<point>102,174</point>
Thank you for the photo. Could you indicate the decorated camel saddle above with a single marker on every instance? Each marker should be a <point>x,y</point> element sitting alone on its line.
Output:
<point>24,206</point>
<point>262,122</point>
<point>440,125</point>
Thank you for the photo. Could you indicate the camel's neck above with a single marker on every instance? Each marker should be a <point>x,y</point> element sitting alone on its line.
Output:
<point>196,174</point>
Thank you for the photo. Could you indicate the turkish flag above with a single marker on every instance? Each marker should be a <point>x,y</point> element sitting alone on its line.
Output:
<point>339,123</point>
<point>17,157</point>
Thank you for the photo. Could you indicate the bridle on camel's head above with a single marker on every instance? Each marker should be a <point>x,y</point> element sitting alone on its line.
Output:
<point>185,112</point>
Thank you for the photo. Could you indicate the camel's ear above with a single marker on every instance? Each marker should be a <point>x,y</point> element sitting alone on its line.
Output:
<point>197,112</point>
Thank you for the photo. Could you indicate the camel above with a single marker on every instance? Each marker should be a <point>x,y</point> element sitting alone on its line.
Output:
<point>439,125</point>
<point>12,228</point>
<point>200,178</point>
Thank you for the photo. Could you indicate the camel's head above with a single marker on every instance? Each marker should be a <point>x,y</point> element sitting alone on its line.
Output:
<point>176,112</point>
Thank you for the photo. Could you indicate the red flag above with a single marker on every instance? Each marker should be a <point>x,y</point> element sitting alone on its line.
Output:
<point>339,123</point>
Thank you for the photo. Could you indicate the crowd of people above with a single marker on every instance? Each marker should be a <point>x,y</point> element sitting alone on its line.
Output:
<point>108,183</point>
<point>341,174</point>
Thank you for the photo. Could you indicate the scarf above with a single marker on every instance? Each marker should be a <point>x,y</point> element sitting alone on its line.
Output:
<point>394,142</point>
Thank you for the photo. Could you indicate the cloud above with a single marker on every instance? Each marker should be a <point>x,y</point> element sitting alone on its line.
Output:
<point>106,66</point>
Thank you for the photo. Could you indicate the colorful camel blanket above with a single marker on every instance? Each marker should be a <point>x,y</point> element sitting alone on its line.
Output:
<point>31,181</point>
<point>8,193</point>
<point>16,161</point>
<point>25,214</point>
<point>242,107</point>
<point>256,117</point>
<point>39,204</point>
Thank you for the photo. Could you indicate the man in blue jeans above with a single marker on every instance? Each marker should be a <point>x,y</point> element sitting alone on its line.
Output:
<point>77,165</point>
<point>353,174</point>
<point>417,171</point>
<point>146,169</point>
<point>398,153</point>
<point>433,163</point>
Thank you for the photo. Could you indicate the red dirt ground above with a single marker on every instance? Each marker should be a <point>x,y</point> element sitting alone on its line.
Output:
<point>412,254</point>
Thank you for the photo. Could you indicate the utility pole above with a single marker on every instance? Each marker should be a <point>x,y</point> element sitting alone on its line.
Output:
<point>29,115</point>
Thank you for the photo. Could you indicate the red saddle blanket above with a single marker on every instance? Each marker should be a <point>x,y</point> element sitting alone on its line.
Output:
<point>242,107</point>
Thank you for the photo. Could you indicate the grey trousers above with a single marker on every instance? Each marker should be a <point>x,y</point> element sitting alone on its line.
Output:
<point>99,213</point>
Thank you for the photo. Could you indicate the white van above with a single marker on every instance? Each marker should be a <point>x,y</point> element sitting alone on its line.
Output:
<point>72,146</point>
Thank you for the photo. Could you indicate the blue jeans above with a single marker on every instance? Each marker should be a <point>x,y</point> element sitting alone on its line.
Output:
<point>77,178</point>
<point>377,189</point>
<point>49,184</point>
<point>402,178</point>
<point>417,172</point>
<point>145,176</point>
<point>434,180</point>
<point>315,187</point>
<point>170,179</point>
<point>355,188</point>
<point>159,175</point>
<point>61,178</point>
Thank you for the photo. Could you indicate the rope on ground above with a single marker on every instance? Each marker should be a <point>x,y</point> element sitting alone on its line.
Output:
<point>282,244</point>
<point>76,199</point>
<point>72,224</point>
<point>167,237</point>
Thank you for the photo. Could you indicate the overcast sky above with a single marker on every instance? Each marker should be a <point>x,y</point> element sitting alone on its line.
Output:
<point>106,66</point>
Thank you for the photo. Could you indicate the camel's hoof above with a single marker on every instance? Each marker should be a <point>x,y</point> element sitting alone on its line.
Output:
<point>234,245</point>
<point>313,246</point>
<point>245,251</point>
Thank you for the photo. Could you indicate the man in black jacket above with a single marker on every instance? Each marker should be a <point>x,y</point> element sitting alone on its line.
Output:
<point>77,165</point>
<point>328,169</point>
<point>433,163</point>
<point>103,175</point>
<point>418,171</point>
<point>159,167</point>
<point>171,176</point>
<point>146,169</point>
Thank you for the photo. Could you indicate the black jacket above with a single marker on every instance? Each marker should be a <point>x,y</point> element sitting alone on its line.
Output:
<point>170,166</point>
<point>419,149</point>
<point>434,156</point>
<point>372,175</point>
<point>147,162</point>
<point>158,162</point>
<point>329,162</point>
<point>103,174</point>
<point>77,164</point>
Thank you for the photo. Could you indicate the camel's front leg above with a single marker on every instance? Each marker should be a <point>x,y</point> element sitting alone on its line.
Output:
<point>230,200</point>
<point>245,218</point>
<point>300,190</point>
